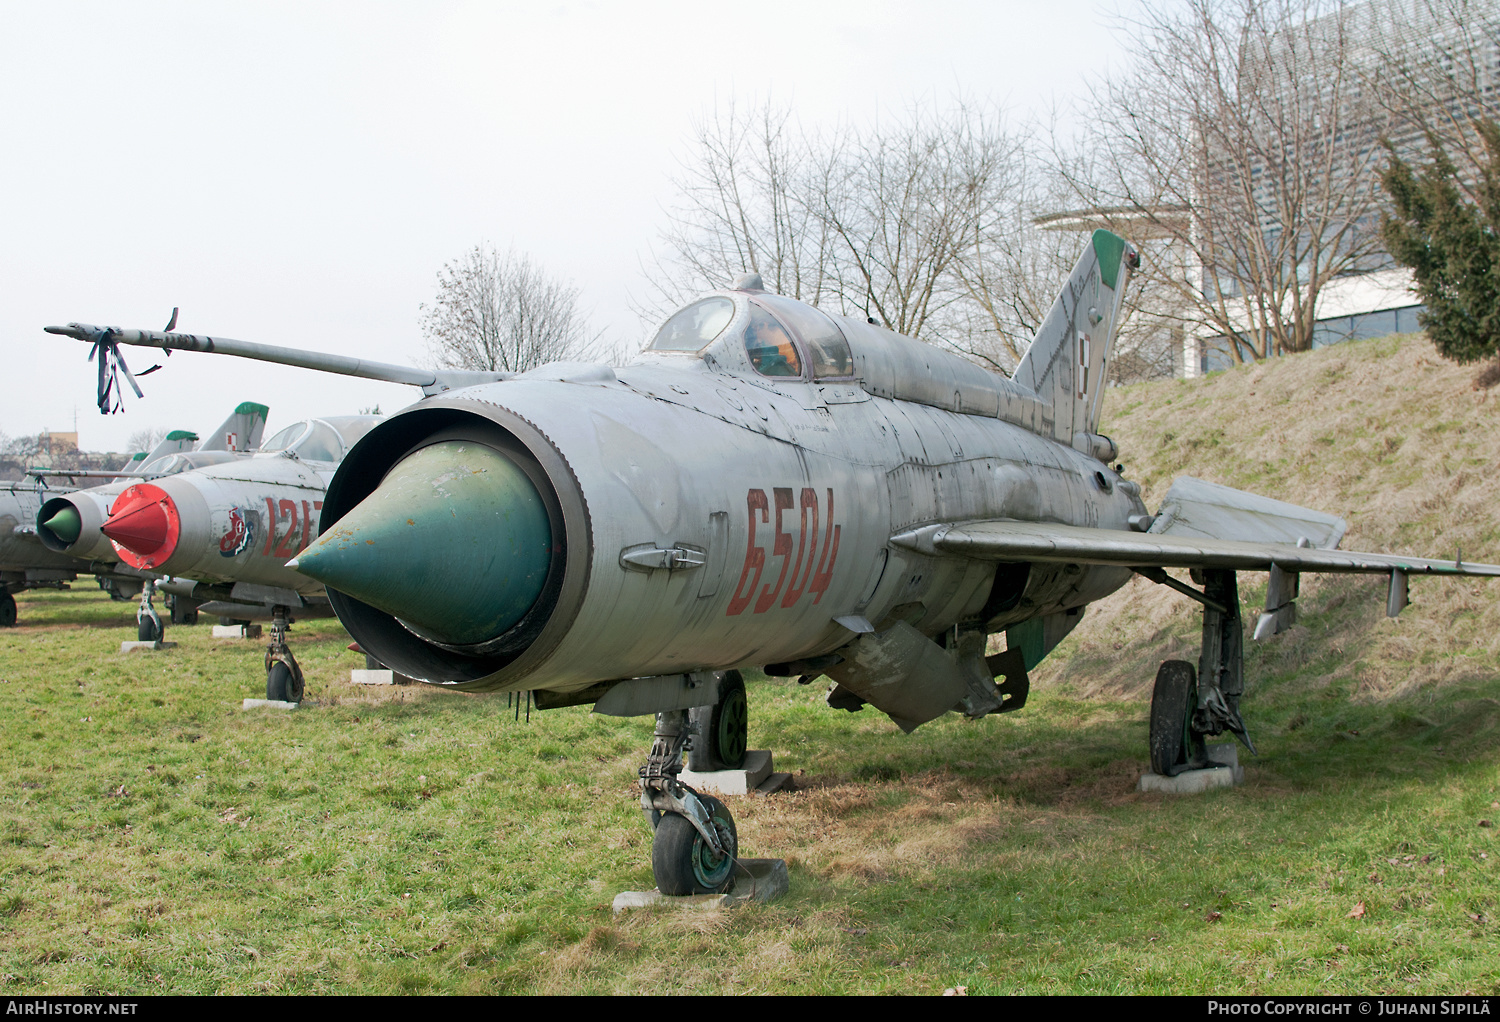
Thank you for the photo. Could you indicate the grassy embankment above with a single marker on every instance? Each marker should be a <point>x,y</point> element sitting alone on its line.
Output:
<point>154,837</point>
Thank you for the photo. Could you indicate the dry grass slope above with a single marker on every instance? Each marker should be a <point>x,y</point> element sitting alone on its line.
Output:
<point>1384,433</point>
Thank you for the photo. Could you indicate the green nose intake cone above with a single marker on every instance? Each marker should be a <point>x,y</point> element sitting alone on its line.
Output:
<point>65,525</point>
<point>455,542</point>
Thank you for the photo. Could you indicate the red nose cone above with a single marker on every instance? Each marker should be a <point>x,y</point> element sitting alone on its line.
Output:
<point>144,525</point>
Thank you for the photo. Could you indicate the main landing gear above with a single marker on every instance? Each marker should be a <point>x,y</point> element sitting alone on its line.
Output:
<point>7,608</point>
<point>184,610</point>
<point>283,676</point>
<point>694,847</point>
<point>1188,705</point>
<point>723,729</point>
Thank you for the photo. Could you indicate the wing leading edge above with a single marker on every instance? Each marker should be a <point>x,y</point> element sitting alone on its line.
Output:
<point>1042,541</point>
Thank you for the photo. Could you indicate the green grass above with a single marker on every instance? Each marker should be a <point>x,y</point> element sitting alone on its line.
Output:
<point>155,837</point>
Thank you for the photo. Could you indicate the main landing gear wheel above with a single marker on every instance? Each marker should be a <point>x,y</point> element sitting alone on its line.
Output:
<point>184,610</point>
<point>723,728</point>
<point>1173,699</point>
<point>682,861</point>
<point>7,610</point>
<point>282,685</point>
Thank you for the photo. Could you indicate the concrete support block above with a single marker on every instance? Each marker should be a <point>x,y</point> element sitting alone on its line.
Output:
<point>236,631</point>
<point>758,880</point>
<point>755,776</point>
<point>360,676</point>
<point>270,704</point>
<point>1228,774</point>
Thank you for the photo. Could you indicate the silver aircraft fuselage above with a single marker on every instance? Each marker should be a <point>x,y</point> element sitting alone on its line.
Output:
<point>716,517</point>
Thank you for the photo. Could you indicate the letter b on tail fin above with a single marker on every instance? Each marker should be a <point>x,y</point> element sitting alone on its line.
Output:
<point>1067,361</point>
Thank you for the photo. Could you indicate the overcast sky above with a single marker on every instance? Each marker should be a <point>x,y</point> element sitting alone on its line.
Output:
<point>297,174</point>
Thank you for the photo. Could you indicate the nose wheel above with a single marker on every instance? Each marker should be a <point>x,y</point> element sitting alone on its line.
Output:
<point>694,846</point>
<point>683,862</point>
<point>148,624</point>
<point>283,675</point>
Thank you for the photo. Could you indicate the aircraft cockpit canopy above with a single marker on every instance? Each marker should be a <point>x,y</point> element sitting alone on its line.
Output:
<point>828,355</point>
<point>780,337</point>
<point>695,327</point>
<point>171,464</point>
<point>321,439</point>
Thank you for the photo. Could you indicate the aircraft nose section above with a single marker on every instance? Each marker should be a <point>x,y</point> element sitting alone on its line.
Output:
<point>455,543</point>
<point>144,525</point>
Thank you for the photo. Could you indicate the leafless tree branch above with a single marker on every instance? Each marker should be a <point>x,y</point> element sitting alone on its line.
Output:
<point>503,313</point>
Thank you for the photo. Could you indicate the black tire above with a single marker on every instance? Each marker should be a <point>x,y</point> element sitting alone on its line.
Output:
<point>1172,703</point>
<point>184,610</point>
<point>148,630</point>
<point>281,684</point>
<point>723,728</point>
<point>7,610</point>
<point>681,860</point>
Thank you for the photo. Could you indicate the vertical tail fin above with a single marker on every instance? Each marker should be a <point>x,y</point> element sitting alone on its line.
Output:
<point>175,442</point>
<point>1067,361</point>
<point>241,431</point>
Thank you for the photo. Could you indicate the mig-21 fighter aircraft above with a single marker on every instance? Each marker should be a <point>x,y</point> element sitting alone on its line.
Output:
<point>769,485</point>
<point>28,561</point>
<point>220,528</point>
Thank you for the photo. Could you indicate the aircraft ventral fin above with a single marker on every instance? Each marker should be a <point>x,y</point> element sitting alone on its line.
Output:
<point>1043,541</point>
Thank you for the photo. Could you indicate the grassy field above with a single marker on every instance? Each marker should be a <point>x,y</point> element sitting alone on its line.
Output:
<point>158,838</point>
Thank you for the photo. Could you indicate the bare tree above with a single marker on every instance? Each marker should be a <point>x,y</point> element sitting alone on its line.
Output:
<point>1242,135</point>
<point>1011,266</point>
<point>904,221</point>
<point>146,439</point>
<point>911,199</point>
<point>503,313</point>
<point>742,207</point>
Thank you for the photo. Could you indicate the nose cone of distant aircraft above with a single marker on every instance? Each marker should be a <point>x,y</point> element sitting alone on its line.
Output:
<point>455,543</point>
<point>66,524</point>
<point>144,525</point>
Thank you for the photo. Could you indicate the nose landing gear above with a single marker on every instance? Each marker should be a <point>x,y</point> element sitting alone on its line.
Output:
<point>283,675</point>
<point>148,624</point>
<point>694,846</point>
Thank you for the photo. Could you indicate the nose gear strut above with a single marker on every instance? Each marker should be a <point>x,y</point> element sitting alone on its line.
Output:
<point>148,626</point>
<point>694,843</point>
<point>283,675</point>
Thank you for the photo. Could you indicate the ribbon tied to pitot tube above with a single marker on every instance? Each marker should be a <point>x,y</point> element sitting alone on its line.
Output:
<point>111,365</point>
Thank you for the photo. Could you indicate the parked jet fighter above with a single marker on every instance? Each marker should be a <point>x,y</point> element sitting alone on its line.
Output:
<point>774,486</point>
<point>223,529</point>
<point>26,561</point>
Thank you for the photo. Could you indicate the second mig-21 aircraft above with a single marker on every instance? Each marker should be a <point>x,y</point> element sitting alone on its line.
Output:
<point>28,561</point>
<point>768,485</point>
<point>220,526</point>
